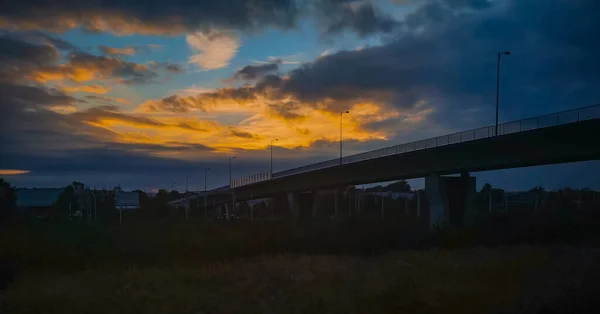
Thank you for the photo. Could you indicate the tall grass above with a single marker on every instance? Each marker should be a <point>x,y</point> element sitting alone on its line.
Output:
<point>168,265</point>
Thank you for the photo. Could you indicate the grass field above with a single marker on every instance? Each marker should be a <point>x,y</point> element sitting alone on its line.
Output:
<point>286,267</point>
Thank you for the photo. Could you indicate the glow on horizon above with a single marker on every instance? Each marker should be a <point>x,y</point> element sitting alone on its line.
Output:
<point>12,172</point>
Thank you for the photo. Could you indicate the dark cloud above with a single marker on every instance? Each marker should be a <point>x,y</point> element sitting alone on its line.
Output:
<point>447,60</point>
<point>127,51</point>
<point>285,111</point>
<point>19,58</point>
<point>252,72</point>
<point>174,68</point>
<point>154,17</point>
<point>102,99</point>
<point>361,17</point>
<point>37,36</point>
<point>187,16</point>
<point>34,137</point>
<point>32,97</point>
<point>172,104</point>
<point>243,134</point>
<point>111,112</point>
<point>128,72</point>
<point>22,60</point>
<point>202,101</point>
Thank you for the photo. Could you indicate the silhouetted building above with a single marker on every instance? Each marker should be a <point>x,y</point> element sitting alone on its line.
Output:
<point>37,198</point>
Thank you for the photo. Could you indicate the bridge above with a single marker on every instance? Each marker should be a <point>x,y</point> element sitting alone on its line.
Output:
<point>561,137</point>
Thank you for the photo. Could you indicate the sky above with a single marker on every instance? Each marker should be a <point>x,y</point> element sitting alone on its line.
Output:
<point>145,94</point>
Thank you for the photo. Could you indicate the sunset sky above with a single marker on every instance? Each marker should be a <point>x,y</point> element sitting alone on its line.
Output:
<point>142,94</point>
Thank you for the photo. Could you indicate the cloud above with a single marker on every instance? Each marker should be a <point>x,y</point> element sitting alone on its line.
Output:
<point>252,72</point>
<point>188,16</point>
<point>174,68</point>
<point>243,134</point>
<point>22,61</point>
<point>127,51</point>
<point>155,18</point>
<point>93,89</point>
<point>202,101</point>
<point>171,104</point>
<point>19,58</point>
<point>83,67</point>
<point>286,111</point>
<point>447,60</point>
<point>214,49</point>
<point>38,36</point>
<point>12,172</point>
<point>106,99</point>
<point>360,17</point>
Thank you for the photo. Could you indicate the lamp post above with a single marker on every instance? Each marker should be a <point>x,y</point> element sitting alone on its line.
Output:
<point>232,191</point>
<point>186,183</point>
<point>498,86</point>
<point>275,139</point>
<point>341,115</point>
<point>205,186</point>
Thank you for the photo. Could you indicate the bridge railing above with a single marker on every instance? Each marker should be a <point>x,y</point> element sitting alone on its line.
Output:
<point>254,178</point>
<point>554,119</point>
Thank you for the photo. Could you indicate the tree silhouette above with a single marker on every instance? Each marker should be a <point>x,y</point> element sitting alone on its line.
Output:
<point>8,199</point>
<point>486,187</point>
<point>399,186</point>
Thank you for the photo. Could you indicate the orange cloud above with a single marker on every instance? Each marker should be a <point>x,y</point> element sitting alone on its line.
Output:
<point>128,51</point>
<point>12,172</point>
<point>83,67</point>
<point>93,89</point>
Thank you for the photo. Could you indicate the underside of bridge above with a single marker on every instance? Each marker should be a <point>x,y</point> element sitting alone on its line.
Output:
<point>309,193</point>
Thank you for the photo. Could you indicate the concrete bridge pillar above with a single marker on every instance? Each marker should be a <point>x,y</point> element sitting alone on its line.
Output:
<point>450,199</point>
<point>335,202</point>
<point>293,199</point>
<point>317,203</point>
<point>226,211</point>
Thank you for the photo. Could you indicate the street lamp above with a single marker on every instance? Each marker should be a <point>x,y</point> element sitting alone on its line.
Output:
<point>275,139</point>
<point>186,183</point>
<point>498,86</point>
<point>232,191</point>
<point>205,186</point>
<point>341,114</point>
<point>230,182</point>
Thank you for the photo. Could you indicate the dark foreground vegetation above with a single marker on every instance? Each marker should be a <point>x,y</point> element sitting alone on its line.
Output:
<point>516,262</point>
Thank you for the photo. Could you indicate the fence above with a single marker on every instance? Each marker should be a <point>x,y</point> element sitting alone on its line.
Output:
<point>539,122</point>
<point>255,178</point>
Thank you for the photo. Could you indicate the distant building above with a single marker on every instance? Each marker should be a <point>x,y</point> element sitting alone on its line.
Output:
<point>37,198</point>
<point>127,200</point>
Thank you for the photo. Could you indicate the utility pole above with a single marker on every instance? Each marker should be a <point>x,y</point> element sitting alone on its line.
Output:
<point>271,174</point>
<point>186,183</point>
<point>205,186</point>
<point>232,191</point>
<point>498,86</point>
<point>341,114</point>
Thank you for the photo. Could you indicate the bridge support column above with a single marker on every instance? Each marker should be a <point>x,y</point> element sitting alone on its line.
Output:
<point>317,203</point>
<point>293,199</point>
<point>226,211</point>
<point>450,199</point>
<point>303,205</point>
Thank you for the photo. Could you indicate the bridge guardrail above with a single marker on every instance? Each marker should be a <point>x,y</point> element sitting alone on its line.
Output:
<point>254,178</point>
<point>554,119</point>
<point>539,122</point>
